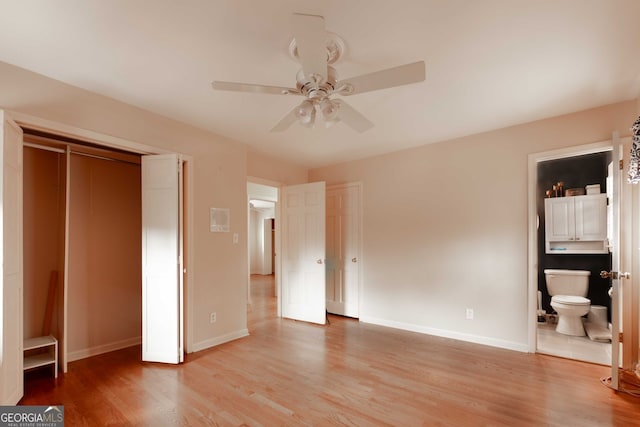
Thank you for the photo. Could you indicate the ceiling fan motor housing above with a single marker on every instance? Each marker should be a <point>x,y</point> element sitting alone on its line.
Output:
<point>316,86</point>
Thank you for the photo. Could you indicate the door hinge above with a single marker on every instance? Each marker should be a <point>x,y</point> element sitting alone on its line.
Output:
<point>621,164</point>
<point>620,337</point>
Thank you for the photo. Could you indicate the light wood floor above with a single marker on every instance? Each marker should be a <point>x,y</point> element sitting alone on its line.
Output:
<point>291,373</point>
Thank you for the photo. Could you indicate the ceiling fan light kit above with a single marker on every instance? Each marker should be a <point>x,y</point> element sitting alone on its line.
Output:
<point>317,80</point>
<point>306,113</point>
<point>329,109</point>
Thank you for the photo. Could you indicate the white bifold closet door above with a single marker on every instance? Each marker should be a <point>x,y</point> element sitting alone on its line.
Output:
<point>11,375</point>
<point>162,284</point>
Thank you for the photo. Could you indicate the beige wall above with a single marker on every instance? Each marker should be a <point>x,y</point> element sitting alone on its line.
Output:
<point>220,168</point>
<point>260,241</point>
<point>263,166</point>
<point>104,291</point>
<point>445,226</point>
<point>255,248</point>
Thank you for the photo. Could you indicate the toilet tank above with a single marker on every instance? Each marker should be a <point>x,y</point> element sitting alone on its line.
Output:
<point>567,282</point>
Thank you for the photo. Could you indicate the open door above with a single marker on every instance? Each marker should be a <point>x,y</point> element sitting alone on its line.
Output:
<point>621,259</point>
<point>162,279</point>
<point>625,255</point>
<point>343,249</point>
<point>616,247</point>
<point>11,374</point>
<point>303,252</point>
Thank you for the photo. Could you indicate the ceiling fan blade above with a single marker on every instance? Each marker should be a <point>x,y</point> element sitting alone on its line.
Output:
<point>310,35</point>
<point>247,87</point>
<point>391,77</point>
<point>352,117</point>
<point>286,121</point>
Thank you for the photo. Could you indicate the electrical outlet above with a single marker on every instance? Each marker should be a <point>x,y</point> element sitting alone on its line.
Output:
<point>212,317</point>
<point>469,313</point>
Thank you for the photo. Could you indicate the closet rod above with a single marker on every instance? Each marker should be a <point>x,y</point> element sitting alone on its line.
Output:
<point>72,151</point>
<point>80,153</point>
<point>43,147</point>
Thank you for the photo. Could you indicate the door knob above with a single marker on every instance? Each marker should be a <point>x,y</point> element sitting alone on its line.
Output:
<point>614,275</point>
<point>354,259</point>
<point>319,261</point>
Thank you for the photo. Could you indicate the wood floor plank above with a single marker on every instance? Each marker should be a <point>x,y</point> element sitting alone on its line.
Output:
<point>347,373</point>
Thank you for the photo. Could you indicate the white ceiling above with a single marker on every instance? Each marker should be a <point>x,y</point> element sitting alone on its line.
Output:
<point>489,63</point>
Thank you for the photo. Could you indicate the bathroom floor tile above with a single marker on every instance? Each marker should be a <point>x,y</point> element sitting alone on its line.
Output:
<point>579,348</point>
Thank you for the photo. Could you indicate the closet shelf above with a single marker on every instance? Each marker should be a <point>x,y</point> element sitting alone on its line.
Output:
<point>41,359</point>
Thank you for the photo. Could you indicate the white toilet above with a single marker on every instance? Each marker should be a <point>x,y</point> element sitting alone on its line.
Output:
<point>568,289</point>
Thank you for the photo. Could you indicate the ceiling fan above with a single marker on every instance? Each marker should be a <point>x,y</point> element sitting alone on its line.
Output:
<point>317,81</point>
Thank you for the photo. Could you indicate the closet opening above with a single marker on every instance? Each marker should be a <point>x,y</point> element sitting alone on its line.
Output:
<point>82,239</point>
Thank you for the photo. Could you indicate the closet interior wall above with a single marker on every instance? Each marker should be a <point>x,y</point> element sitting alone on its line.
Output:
<point>103,292</point>
<point>44,183</point>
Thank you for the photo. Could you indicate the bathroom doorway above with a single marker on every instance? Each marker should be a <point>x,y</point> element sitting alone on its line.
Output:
<point>564,174</point>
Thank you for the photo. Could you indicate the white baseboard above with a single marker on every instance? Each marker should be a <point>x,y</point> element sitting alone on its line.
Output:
<point>212,342</point>
<point>104,348</point>
<point>477,339</point>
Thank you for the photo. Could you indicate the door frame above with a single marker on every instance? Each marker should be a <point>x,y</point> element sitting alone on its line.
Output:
<point>277,264</point>
<point>628,288</point>
<point>533,221</point>
<point>108,141</point>
<point>11,257</point>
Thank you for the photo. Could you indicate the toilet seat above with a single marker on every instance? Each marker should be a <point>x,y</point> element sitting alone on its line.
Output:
<point>570,300</point>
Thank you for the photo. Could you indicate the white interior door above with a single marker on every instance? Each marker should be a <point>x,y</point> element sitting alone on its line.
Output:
<point>621,250</point>
<point>162,287</point>
<point>303,252</point>
<point>343,250</point>
<point>11,375</point>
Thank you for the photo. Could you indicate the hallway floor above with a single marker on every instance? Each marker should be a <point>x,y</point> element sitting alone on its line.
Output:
<point>263,302</point>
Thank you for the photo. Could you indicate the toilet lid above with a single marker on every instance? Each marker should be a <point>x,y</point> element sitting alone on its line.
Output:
<point>570,300</point>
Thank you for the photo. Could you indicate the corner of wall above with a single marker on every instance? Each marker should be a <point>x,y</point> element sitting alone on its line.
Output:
<point>263,166</point>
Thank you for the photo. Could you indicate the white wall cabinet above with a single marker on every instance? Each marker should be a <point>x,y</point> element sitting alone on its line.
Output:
<point>576,224</point>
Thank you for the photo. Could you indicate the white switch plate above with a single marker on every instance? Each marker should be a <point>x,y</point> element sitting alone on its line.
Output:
<point>469,313</point>
<point>235,237</point>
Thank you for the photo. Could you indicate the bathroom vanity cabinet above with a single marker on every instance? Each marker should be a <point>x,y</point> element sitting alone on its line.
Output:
<point>576,225</point>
